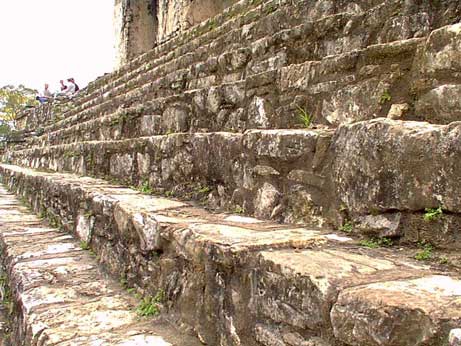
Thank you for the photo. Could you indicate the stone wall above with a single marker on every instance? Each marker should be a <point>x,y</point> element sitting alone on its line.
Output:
<point>140,24</point>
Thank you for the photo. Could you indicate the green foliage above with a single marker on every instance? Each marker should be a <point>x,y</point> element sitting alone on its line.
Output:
<point>212,24</point>
<point>84,245</point>
<point>5,294</point>
<point>149,306</point>
<point>239,210</point>
<point>347,227</point>
<point>204,189</point>
<point>385,97</point>
<point>432,214</point>
<point>13,99</point>
<point>5,129</point>
<point>270,9</point>
<point>375,243</point>
<point>169,193</point>
<point>145,188</point>
<point>425,254</point>
<point>124,281</point>
<point>444,260</point>
<point>304,117</point>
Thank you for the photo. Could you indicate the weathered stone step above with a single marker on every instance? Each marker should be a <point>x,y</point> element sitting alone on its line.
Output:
<point>237,106</point>
<point>394,15</point>
<point>323,96</point>
<point>60,295</point>
<point>240,281</point>
<point>294,175</point>
<point>257,21</point>
<point>339,89</point>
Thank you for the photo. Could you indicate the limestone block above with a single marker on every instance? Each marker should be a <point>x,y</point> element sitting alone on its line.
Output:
<point>382,225</point>
<point>176,118</point>
<point>441,105</point>
<point>121,165</point>
<point>260,113</point>
<point>455,337</point>
<point>266,200</point>
<point>442,51</point>
<point>84,227</point>
<point>398,111</point>
<point>396,313</point>
<point>355,102</point>
<point>385,164</point>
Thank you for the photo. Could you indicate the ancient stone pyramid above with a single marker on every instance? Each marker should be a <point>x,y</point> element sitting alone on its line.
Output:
<point>286,173</point>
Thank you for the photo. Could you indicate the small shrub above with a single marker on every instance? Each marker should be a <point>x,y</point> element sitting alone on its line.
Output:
<point>204,189</point>
<point>432,214</point>
<point>239,210</point>
<point>145,188</point>
<point>443,260</point>
<point>369,243</point>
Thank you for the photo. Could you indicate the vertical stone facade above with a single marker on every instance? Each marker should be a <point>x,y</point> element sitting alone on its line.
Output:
<point>135,24</point>
<point>140,24</point>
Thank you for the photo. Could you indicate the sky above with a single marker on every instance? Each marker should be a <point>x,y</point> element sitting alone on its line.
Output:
<point>48,40</point>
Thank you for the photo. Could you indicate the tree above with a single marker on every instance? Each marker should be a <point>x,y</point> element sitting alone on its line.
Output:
<point>13,99</point>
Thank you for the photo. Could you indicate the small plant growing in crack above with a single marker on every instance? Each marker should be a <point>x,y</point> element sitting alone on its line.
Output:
<point>84,245</point>
<point>425,254</point>
<point>239,210</point>
<point>145,188</point>
<point>385,97</point>
<point>304,117</point>
<point>149,306</point>
<point>375,243</point>
<point>347,227</point>
<point>432,214</point>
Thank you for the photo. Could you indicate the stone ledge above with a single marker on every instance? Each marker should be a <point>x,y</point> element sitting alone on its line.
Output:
<point>59,294</point>
<point>234,278</point>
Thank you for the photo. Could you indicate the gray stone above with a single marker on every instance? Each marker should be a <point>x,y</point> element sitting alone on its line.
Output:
<point>388,165</point>
<point>382,225</point>
<point>455,337</point>
<point>266,200</point>
<point>441,105</point>
<point>442,51</point>
<point>398,111</point>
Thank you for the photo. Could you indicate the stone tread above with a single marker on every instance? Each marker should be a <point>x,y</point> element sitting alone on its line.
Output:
<point>61,293</point>
<point>366,296</point>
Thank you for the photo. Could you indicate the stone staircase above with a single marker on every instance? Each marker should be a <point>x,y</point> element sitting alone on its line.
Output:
<point>213,119</point>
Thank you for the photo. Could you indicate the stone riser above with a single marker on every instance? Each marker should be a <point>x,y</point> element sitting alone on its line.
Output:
<point>220,278</point>
<point>346,88</point>
<point>294,175</point>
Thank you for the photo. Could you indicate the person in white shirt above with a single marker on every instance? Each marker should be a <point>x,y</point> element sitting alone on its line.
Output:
<point>72,87</point>
<point>45,96</point>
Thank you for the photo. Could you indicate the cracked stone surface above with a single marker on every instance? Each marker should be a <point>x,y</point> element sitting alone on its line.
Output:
<point>60,294</point>
<point>281,284</point>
